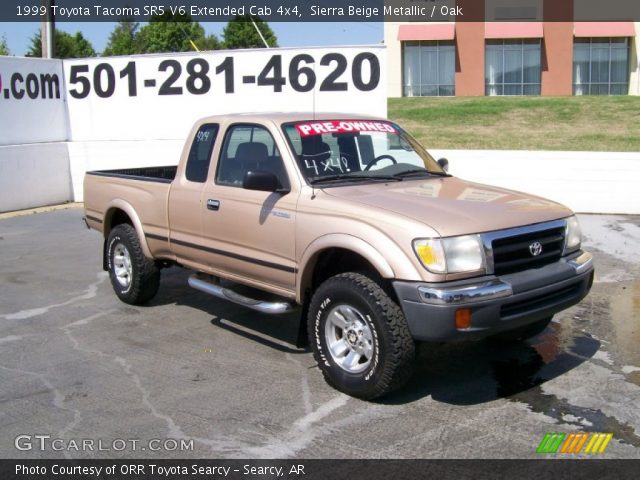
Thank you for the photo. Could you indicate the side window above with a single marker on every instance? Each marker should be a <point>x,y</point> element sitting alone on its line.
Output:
<point>245,148</point>
<point>200,153</point>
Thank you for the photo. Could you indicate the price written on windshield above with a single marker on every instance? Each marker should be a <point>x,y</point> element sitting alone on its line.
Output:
<point>332,72</point>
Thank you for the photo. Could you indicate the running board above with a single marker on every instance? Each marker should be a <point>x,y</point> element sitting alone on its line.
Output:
<point>272,308</point>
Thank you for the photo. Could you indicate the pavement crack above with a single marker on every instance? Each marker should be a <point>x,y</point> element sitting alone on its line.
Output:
<point>175,431</point>
<point>304,387</point>
<point>57,401</point>
<point>300,435</point>
<point>10,338</point>
<point>302,432</point>
<point>88,294</point>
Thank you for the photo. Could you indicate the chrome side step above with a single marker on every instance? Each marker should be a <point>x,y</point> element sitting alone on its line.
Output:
<point>272,308</point>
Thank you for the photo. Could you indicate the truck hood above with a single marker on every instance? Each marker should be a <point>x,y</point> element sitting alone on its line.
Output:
<point>453,206</point>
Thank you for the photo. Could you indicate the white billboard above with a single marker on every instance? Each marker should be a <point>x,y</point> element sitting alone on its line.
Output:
<point>32,101</point>
<point>149,97</point>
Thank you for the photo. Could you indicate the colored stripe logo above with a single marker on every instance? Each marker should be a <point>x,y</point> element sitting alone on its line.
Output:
<point>574,443</point>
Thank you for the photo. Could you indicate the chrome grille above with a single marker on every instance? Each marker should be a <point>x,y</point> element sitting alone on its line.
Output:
<point>513,254</point>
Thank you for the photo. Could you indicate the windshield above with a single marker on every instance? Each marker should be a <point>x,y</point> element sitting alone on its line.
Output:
<point>349,150</point>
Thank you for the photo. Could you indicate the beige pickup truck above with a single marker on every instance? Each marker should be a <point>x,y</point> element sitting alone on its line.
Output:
<point>350,222</point>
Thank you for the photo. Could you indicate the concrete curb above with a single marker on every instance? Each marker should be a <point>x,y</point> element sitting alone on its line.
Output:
<point>47,209</point>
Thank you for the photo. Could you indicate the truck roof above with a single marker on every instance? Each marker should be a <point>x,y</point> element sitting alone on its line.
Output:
<point>285,117</point>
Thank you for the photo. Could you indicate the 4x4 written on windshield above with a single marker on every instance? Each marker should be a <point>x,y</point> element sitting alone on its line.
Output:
<point>357,150</point>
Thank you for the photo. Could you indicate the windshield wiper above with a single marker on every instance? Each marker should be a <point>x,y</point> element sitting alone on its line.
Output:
<point>346,176</point>
<point>408,173</point>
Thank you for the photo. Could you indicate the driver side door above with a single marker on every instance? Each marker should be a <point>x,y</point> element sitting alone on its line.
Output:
<point>251,234</point>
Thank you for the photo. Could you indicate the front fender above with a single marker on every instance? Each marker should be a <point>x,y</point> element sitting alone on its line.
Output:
<point>400,267</point>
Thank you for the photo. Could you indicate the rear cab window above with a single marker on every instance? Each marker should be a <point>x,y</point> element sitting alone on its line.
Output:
<point>199,157</point>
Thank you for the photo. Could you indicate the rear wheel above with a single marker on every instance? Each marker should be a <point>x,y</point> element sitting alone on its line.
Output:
<point>134,277</point>
<point>359,337</point>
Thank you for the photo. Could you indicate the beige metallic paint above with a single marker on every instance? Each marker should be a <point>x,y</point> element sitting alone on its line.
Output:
<point>377,221</point>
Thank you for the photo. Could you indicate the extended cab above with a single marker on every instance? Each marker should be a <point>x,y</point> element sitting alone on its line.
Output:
<point>349,221</point>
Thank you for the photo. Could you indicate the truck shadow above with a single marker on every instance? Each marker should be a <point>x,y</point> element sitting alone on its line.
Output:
<point>279,332</point>
<point>467,373</point>
<point>479,372</point>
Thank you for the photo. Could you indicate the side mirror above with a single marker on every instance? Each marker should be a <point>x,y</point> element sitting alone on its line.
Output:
<point>444,164</point>
<point>260,180</point>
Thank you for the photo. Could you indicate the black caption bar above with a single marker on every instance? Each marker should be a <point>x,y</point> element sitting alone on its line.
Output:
<point>316,469</point>
<point>325,10</point>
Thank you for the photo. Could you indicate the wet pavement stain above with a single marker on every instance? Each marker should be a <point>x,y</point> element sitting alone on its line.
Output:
<point>561,348</point>
<point>486,371</point>
<point>612,313</point>
<point>587,419</point>
<point>557,352</point>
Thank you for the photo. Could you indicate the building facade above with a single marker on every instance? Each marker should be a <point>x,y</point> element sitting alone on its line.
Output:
<point>534,57</point>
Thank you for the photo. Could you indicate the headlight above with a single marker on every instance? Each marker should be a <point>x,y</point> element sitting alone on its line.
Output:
<point>464,254</point>
<point>451,255</point>
<point>572,236</point>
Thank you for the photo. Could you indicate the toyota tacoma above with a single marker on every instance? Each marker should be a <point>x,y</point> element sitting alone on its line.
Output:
<point>349,221</point>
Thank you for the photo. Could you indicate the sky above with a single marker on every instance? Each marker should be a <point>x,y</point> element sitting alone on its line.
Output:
<point>290,34</point>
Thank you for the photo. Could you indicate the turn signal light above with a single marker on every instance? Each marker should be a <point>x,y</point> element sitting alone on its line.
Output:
<point>463,318</point>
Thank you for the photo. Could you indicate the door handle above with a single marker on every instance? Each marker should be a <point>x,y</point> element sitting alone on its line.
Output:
<point>213,204</point>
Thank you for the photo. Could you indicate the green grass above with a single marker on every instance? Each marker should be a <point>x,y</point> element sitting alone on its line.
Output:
<point>522,123</point>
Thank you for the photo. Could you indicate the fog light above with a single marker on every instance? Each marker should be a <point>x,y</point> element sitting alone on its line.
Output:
<point>463,318</point>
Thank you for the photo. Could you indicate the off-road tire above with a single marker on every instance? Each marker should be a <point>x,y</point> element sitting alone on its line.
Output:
<point>145,274</point>
<point>523,333</point>
<point>392,361</point>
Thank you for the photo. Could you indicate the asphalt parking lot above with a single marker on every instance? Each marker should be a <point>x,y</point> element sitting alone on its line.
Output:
<point>77,364</point>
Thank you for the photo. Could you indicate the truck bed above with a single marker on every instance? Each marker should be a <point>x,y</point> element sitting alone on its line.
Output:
<point>149,174</point>
<point>140,191</point>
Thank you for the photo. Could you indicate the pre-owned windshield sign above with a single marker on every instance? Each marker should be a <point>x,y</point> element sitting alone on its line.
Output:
<point>342,126</point>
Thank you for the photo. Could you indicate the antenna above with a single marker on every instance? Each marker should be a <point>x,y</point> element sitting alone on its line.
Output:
<point>266,45</point>
<point>193,44</point>
<point>314,92</point>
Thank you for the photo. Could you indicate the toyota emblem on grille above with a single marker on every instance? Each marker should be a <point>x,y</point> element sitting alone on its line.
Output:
<point>535,248</point>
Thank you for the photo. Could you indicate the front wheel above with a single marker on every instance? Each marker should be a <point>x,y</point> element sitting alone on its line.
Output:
<point>359,337</point>
<point>134,277</point>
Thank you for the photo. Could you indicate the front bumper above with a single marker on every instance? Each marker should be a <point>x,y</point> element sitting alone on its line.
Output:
<point>497,304</point>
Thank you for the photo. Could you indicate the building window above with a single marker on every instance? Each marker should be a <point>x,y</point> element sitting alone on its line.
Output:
<point>512,67</point>
<point>601,66</point>
<point>429,68</point>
